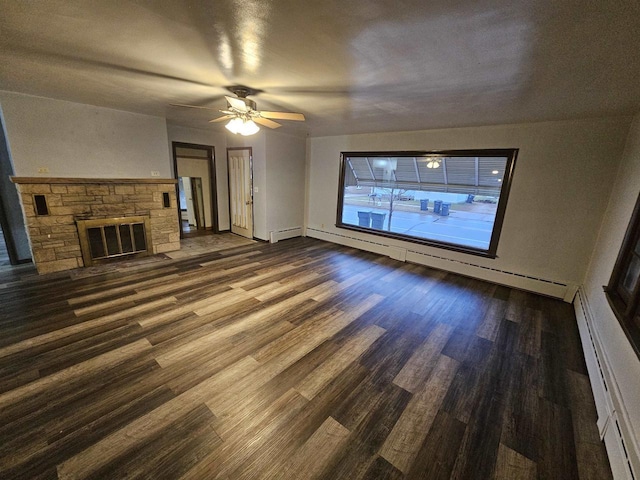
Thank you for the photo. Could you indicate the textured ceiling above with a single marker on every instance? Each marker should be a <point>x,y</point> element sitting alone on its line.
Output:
<point>349,66</point>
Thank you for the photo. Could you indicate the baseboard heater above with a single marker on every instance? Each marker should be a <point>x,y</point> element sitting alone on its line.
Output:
<point>615,427</point>
<point>284,234</point>
<point>503,277</point>
<point>107,238</point>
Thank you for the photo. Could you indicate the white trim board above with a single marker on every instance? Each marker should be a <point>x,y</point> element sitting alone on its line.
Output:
<point>542,286</point>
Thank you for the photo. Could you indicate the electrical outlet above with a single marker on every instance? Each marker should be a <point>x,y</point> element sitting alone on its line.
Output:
<point>155,173</point>
<point>43,169</point>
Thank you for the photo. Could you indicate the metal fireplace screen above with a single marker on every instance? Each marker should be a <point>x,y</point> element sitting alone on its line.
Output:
<point>113,237</point>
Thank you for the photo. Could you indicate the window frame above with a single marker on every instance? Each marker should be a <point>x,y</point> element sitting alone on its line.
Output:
<point>511,155</point>
<point>626,307</point>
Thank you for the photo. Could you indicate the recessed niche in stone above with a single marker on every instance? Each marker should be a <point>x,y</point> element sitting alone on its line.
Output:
<point>166,200</point>
<point>40,204</point>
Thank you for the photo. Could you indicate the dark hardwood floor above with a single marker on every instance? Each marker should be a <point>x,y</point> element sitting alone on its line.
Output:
<point>296,360</point>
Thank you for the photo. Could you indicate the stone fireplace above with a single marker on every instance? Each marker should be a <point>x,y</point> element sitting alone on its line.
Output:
<point>119,213</point>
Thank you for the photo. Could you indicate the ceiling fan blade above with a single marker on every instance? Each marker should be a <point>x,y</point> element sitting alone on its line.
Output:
<point>77,61</point>
<point>237,103</point>
<point>298,117</point>
<point>222,119</point>
<point>193,106</point>
<point>266,123</point>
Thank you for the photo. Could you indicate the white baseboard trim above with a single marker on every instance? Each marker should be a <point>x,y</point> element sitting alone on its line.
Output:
<point>613,419</point>
<point>277,235</point>
<point>542,286</point>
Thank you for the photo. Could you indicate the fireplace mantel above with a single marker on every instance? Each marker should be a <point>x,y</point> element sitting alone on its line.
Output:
<point>102,181</point>
<point>52,206</point>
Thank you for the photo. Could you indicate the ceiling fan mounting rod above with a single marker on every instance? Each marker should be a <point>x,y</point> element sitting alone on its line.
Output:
<point>242,91</point>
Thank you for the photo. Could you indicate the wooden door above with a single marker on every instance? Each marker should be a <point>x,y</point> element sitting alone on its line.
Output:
<point>240,191</point>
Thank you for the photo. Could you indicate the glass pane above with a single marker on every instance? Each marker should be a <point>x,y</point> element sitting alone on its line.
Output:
<point>94,235</point>
<point>631,275</point>
<point>452,200</point>
<point>125,238</point>
<point>112,240</point>
<point>138,236</point>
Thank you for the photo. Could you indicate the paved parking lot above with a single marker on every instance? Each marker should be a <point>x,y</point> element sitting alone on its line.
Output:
<point>461,228</point>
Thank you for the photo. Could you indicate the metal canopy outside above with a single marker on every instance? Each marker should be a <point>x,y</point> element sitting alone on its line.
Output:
<point>471,175</point>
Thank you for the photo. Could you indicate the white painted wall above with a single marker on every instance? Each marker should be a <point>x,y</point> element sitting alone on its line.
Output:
<point>563,177</point>
<point>217,140</point>
<point>285,181</point>
<point>77,140</point>
<point>620,358</point>
<point>278,180</point>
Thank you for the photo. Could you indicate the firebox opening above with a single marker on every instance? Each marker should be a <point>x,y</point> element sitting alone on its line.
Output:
<point>113,237</point>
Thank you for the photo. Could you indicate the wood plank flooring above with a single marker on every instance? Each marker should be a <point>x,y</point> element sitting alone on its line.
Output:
<point>297,360</point>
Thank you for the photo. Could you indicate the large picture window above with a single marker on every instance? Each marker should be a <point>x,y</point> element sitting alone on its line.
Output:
<point>451,199</point>
<point>623,290</point>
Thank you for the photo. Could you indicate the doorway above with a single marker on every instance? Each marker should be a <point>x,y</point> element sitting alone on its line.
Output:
<point>14,241</point>
<point>4,252</point>
<point>192,197</point>
<point>194,167</point>
<point>241,190</point>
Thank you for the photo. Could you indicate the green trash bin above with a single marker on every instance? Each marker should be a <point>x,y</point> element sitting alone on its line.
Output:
<point>444,211</point>
<point>364,219</point>
<point>424,204</point>
<point>377,220</point>
<point>437,205</point>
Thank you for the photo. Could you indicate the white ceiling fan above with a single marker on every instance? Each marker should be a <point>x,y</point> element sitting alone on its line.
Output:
<point>243,114</point>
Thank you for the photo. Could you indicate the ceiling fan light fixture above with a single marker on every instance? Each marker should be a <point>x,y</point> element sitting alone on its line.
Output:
<point>243,113</point>
<point>249,128</point>
<point>234,125</point>
<point>241,126</point>
<point>434,163</point>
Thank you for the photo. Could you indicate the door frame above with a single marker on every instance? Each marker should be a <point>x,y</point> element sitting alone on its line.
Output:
<point>8,238</point>
<point>211,164</point>
<point>250,150</point>
<point>11,214</point>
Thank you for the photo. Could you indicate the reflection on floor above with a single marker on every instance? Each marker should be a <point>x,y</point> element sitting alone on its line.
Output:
<point>208,243</point>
